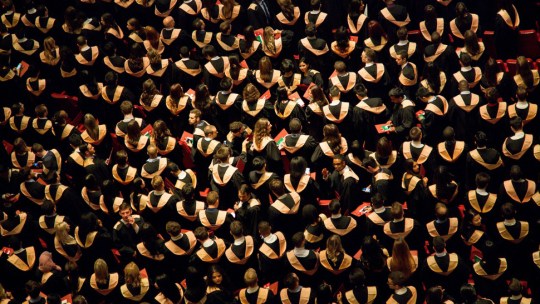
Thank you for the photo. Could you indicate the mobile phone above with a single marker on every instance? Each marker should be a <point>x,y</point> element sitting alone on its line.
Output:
<point>308,171</point>
<point>366,190</point>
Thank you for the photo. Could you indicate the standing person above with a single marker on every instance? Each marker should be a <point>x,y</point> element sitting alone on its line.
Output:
<point>506,31</point>
<point>126,232</point>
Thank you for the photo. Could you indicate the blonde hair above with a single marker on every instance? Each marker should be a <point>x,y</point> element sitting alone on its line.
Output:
<point>49,47</point>
<point>269,40</point>
<point>154,56</point>
<point>334,249</point>
<point>91,125</point>
<point>101,270</point>
<point>261,131</point>
<point>132,275</point>
<point>402,259</point>
<point>62,232</point>
<point>251,93</point>
<point>250,277</point>
<point>266,69</point>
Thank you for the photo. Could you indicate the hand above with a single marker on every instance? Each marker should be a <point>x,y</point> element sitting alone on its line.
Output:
<point>325,173</point>
<point>236,207</point>
<point>244,145</point>
<point>339,297</point>
<point>425,180</point>
<point>131,220</point>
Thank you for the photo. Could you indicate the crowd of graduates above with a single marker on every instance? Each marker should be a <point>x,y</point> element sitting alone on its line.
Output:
<point>261,151</point>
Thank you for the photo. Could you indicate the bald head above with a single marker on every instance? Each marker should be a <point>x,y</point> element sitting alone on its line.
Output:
<point>152,151</point>
<point>168,22</point>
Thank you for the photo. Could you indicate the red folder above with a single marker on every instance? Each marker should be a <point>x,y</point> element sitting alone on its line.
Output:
<point>281,136</point>
<point>361,210</point>
<point>294,96</point>
<point>266,95</point>
<point>307,94</point>
<point>382,128</point>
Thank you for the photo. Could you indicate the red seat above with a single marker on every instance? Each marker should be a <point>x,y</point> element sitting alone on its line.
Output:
<point>416,36</point>
<point>502,66</point>
<point>511,65</point>
<point>489,42</point>
<point>528,44</point>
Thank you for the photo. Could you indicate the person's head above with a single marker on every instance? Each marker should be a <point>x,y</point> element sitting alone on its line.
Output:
<point>250,278</point>
<point>287,67</point>
<point>439,244</point>
<point>81,42</point>
<point>101,270</point>
<point>396,95</point>
<point>340,67</point>
<point>209,52</point>
<point>210,131</point>
<point>334,93</point>
<point>194,117</point>
<point>401,57</point>
<point>173,228</point>
<point>277,187</point>
<point>465,59</point>
<point>334,207</point>
<point>441,211</point>
<point>339,162</point>
<point>41,111</point>
<point>222,155</point>
<point>375,30</point>
<point>310,214</point>
<point>515,287</point>
<point>261,130</point>
<point>152,151</point>
<point>237,229</point>
<point>264,228</point>
<point>415,134</point>
<point>244,193</point>
<point>258,164</point>
<point>480,138</point>
<point>370,164</point>
<point>298,239</point>
<point>125,211</point>
<point>212,199</point>
<point>368,55</point>
<point>251,93</point>
<point>396,211</point>
<point>237,128</point>
<point>468,294</point>
<point>33,289</point>
<point>311,30</point>
<point>521,93</point>
<point>360,90</point>
<point>515,173</point>
<point>291,281</point>
<point>435,295</point>
<point>132,275</point>
<point>215,276</point>
<point>295,126</point>
<point>396,280</point>
<point>201,234</point>
<point>357,277</point>
<point>482,180</point>
<point>508,211</point>
<point>411,166</point>
<point>516,124</point>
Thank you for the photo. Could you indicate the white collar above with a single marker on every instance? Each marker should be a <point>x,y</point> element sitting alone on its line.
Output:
<point>482,192</point>
<point>368,64</point>
<point>252,289</point>
<point>417,144</point>
<point>151,160</point>
<point>335,102</point>
<point>336,216</point>
<point>522,104</point>
<point>161,192</point>
<point>465,92</point>
<point>380,210</point>
<point>440,254</point>
<point>403,42</point>
<point>208,243</point>
<point>511,222</point>
<point>432,99</point>
<point>401,291</point>
<point>176,238</point>
<point>85,48</point>
<point>270,239</point>
<point>315,12</point>
<point>215,58</point>
<point>128,117</point>
<point>182,174</point>
<point>239,241</point>
<point>301,252</point>
<point>466,69</point>
<point>518,135</point>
